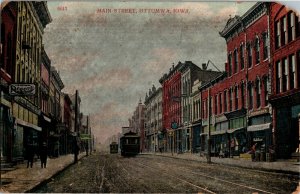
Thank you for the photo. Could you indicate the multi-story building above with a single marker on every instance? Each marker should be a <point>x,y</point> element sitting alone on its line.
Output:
<point>171,88</point>
<point>67,121</point>
<point>236,110</point>
<point>285,73</point>
<point>9,12</point>
<point>32,18</point>
<point>190,73</point>
<point>56,85</point>
<point>44,119</point>
<point>137,123</point>
<point>153,119</point>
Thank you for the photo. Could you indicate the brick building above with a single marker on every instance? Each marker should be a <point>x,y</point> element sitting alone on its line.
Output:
<point>236,108</point>
<point>171,88</point>
<point>285,70</point>
<point>7,59</point>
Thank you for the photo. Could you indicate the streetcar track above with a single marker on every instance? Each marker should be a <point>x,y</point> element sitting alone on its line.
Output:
<point>217,179</point>
<point>185,181</point>
<point>102,176</point>
<point>174,187</point>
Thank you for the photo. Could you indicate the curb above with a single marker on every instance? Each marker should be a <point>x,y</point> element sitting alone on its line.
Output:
<point>285,172</point>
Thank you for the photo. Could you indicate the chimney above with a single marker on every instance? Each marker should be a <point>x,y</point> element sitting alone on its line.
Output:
<point>204,66</point>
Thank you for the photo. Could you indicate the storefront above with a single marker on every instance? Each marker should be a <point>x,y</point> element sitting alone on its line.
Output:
<point>25,134</point>
<point>196,141</point>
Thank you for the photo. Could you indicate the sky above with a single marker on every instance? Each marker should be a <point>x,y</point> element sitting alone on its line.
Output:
<point>113,57</point>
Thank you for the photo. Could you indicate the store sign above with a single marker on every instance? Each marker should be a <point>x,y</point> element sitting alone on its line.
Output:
<point>22,89</point>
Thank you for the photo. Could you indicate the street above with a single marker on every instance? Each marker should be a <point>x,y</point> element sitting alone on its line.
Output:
<point>158,174</point>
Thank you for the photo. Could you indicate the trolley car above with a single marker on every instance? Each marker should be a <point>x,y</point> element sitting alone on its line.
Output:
<point>130,144</point>
<point>114,148</point>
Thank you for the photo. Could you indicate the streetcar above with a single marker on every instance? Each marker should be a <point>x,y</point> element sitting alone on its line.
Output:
<point>114,148</point>
<point>130,144</point>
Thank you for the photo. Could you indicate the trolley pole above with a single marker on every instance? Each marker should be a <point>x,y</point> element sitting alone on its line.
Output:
<point>208,139</point>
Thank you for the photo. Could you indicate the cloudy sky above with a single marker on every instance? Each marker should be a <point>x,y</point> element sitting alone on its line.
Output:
<point>114,58</point>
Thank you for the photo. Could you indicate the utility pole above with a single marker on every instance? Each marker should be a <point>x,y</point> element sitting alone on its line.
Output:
<point>208,139</point>
<point>76,148</point>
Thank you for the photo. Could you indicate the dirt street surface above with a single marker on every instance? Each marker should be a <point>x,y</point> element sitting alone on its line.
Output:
<point>101,173</point>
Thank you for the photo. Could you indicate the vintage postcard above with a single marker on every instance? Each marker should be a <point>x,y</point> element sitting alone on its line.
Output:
<point>150,96</point>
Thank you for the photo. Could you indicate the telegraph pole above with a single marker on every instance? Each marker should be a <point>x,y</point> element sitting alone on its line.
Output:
<point>208,139</point>
<point>76,148</point>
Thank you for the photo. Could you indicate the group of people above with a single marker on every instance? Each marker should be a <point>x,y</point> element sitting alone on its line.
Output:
<point>43,152</point>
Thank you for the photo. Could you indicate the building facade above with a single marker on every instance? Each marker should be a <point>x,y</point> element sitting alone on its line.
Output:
<point>285,72</point>
<point>137,124</point>
<point>171,89</point>
<point>7,60</point>
<point>153,120</point>
<point>32,18</point>
<point>235,110</point>
<point>57,129</point>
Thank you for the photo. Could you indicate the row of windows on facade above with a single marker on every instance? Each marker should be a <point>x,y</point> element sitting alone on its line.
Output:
<point>231,97</point>
<point>240,54</point>
<point>287,29</point>
<point>286,73</point>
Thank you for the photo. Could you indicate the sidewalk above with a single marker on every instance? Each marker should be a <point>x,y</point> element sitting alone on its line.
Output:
<point>283,166</point>
<point>24,179</point>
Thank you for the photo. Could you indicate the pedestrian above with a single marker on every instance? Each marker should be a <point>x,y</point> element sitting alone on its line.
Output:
<point>43,154</point>
<point>30,155</point>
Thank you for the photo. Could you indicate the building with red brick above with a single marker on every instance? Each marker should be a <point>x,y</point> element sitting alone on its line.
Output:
<point>235,108</point>
<point>7,59</point>
<point>285,72</point>
<point>171,100</point>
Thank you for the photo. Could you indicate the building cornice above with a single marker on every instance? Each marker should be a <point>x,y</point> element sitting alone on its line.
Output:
<point>238,24</point>
<point>55,75</point>
<point>43,12</point>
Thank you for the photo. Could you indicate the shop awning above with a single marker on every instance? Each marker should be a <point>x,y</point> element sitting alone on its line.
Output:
<point>218,132</point>
<point>259,127</point>
<point>26,124</point>
<point>233,130</point>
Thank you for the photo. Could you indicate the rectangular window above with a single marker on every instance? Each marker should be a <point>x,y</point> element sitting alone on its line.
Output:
<point>291,26</point>
<point>235,53</point>
<point>278,77</point>
<point>292,71</point>
<point>258,94</point>
<point>250,97</point>
<point>229,64</point>
<point>284,31</point>
<point>242,56</point>
<point>236,98</point>
<point>216,104</point>
<point>225,101</point>
<point>278,33</point>
<point>249,51</point>
<point>284,75</point>
<point>266,91</point>
<point>230,100</point>
<point>210,106</point>
<point>265,42</point>
<point>220,102</point>
<point>257,53</point>
<point>243,95</point>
